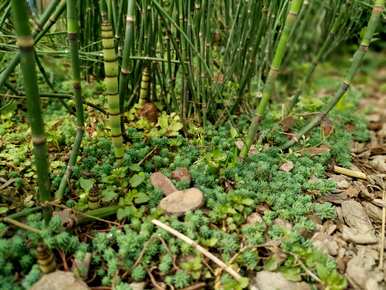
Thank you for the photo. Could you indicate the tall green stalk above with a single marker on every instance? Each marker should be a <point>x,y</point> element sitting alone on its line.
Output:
<point>272,75</point>
<point>111,82</point>
<point>48,19</point>
<point>25,44</point>
<point>73,31</point>
<point>378,8</point>
<point>127,48</point>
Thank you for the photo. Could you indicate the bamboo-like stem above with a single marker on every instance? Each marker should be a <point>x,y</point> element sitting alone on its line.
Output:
<point>272,75</point>
<point>24,212</point>
<point>145,86</point>
<point>378,8</point>
<point>21,225</point>
<point>111,82</point>
<point>126,66</point>
<point>25,43</point>
<point>73,31</point>
<point>47,20</point>
<point>97,214</point>
<point>199,248</point>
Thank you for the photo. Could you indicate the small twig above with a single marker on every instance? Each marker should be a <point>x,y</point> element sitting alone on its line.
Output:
<point>6,184</point>
<point>154,282</point>
<point>304,267</point>
<point>147,155</point>
<point>230,262</point>
<point>199,248</point>
<point>349,172</point>
<point>170,252</point>
<point>63,257</point>
<point>382,244</point>
<point>143,251</point>
<point>22,226</point>
<point>84,214</point>
<point>195,286</point>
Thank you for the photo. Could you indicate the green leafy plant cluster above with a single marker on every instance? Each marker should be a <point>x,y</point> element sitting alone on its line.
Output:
<point>233,189</point>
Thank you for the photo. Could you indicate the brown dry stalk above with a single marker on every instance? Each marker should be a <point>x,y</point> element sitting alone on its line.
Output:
<point>349,172</point>
<point>199,248</point>
<point>382,243</point>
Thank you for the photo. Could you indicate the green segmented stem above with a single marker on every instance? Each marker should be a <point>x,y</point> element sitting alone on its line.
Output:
<point>145,86</point>
<point>272,75</point>
<point>111,83</point>
<point>345,85</point>
<point>127,48</point>
<point>27,63</point>
<point>49,17</point>
<point>73,31</point>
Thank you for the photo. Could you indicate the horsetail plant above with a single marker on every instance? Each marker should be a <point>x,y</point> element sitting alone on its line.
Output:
<point>272,75</point>
<point>378,8</point>
<point>48,18</point>
<point>111,82</point>
<point>26,47</point>
<point>127,49</point>
<point>73,31</point>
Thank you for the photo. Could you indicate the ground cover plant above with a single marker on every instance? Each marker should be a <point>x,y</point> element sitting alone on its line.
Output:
<point>249,103</point>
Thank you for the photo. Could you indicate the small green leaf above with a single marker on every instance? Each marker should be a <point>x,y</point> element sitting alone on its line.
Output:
<point>163,121</point>
<point>272,264</point>
<point>141,198</point>
<point>291,273</point>
<point>135,167</point>
<point>137,179</point>
<point>3,209</point>
<point>109,195</point>
<point>86,184</point>
<point>126,212</point>
<point>233,133</point>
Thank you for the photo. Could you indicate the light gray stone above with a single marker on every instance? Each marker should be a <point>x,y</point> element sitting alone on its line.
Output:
<point>59,280</point>
<point>180,202</point>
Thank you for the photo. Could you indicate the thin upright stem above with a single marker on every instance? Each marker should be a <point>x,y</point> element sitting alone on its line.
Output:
<point>25,43</point>
<point>73,31</point>
<point>346,83</point>
<point>272,75</point>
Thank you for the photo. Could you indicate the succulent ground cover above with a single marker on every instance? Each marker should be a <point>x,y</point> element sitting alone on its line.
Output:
<point>258,214</point>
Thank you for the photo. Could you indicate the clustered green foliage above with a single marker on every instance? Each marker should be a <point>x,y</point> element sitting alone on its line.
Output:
<point>232,188</point>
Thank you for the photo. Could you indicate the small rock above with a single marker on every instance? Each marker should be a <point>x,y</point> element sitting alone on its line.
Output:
<point>179,202</point>
<point>59,280</point>
<point>287,167</point>
<point>325,243</point>
<point>266,280</point>
<point>282,223</point>
<point>352,191</point>
<point>379,163</point>
<point>374,212</point>
<point>161,182</point>
<point>359,229</point>
<point>137,286</point>
<point>182,174</point>
<point>341,181</point>
<point>361,270</point>
<point>254,218</point>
